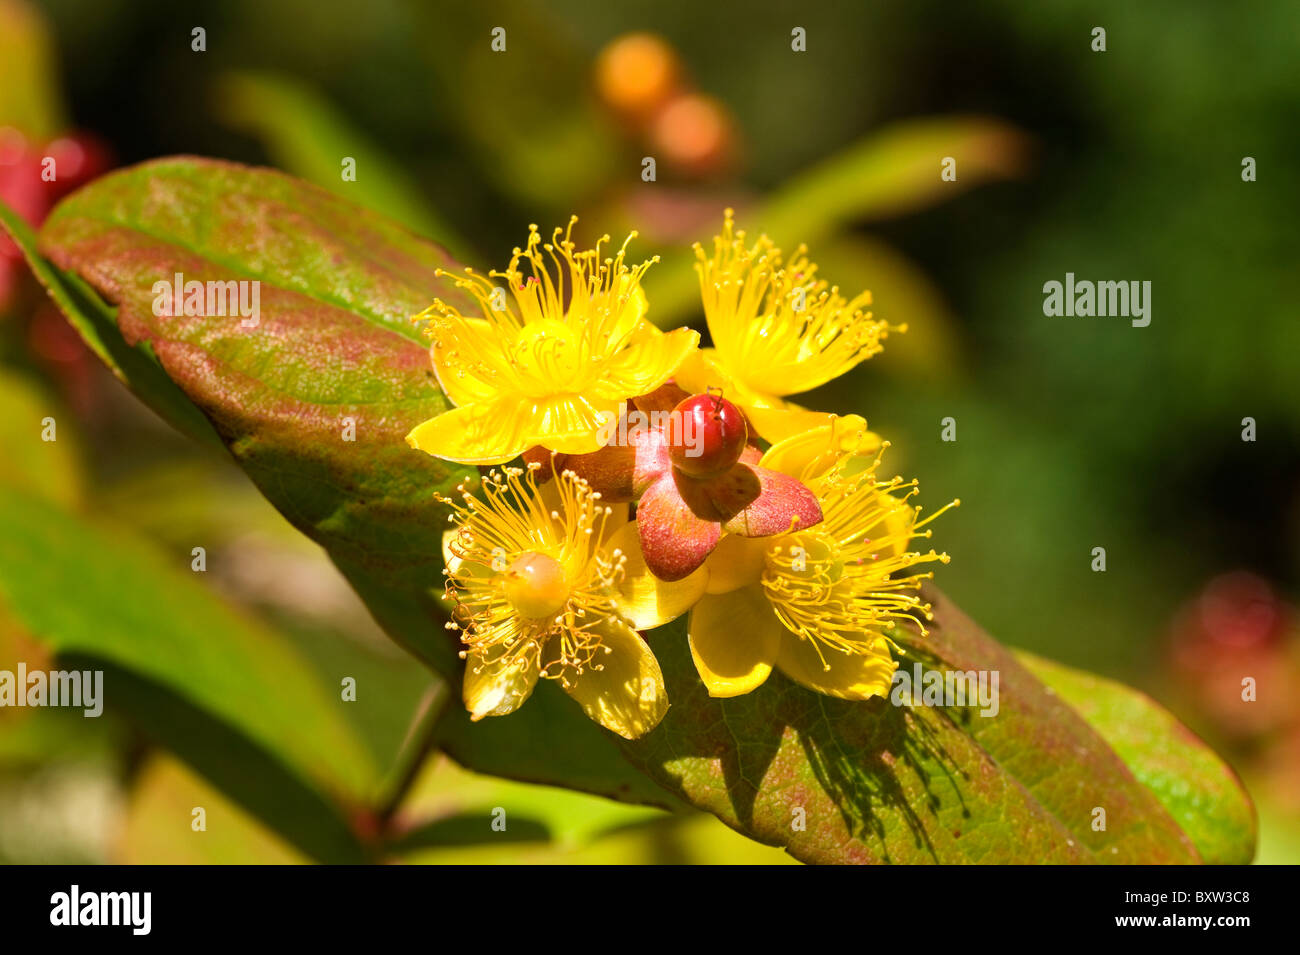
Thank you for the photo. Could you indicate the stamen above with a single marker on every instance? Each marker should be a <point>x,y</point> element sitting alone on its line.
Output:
<point>777,327</point>
<point>530,585</point>
<point>843,584</point>
<point>558,330</point>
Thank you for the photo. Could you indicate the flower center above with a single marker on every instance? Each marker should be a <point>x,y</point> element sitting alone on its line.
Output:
<point>535,585</point>
<point>547,355</point>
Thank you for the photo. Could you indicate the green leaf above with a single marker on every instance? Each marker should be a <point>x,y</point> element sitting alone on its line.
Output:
<point>162,798</point>
<point>334,344</point>
<point>333,356</point>
<point>95,321</point>
<point>884,783</point>
<point>1199,790</point>
<point>890,172</point>
<point>307,136</point>
<point>47,468</point>
<point>582,829</point>
<point>257,777</point>
<point>443,789</point>
<point>470,829</point>
<point>224,693</point>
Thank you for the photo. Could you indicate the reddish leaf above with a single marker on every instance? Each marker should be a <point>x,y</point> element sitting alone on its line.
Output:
<point>844,781</point>
<point>761,502</point>
<point>674,539</point>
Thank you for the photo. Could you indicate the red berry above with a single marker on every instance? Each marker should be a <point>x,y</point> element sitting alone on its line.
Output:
<point>706,436</point>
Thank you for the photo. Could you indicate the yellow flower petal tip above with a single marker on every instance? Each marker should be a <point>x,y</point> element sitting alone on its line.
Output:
<point>558,342</point>
<point>734,640</point>
<point>625,693</point>
<point>495,688</point>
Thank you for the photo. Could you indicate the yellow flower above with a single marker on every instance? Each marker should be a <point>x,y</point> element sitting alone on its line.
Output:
<point>549,582</point>
<point>549,365</point>
<point>817,604</point>
<point>777,330</point>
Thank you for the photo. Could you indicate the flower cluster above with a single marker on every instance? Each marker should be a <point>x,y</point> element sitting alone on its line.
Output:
<point>633,477</point>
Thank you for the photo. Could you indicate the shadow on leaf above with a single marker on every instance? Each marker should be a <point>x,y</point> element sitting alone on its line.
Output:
<point>783,757</point>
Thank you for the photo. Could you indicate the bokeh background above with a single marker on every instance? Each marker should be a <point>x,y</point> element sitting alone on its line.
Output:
<point>1072,433</point>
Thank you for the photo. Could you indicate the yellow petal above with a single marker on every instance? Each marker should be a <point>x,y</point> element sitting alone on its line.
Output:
<point>645,600</point>
<point>778,420</point>
<point>621,514</point>
<point>487,433</point>
<point>448,354</point>
<point>648,360</point>
<point>449,559</point>
<point>699,370</point>
<point>569,424</point>
<point>809,454</point>
<point>851,676</point>
<point>464,569</point>
<point>736,562</point>
<point>627,693</point>
<point>633,310</point>
<point>734,640</point>
<point>495,688</point>
<point>502,429</point>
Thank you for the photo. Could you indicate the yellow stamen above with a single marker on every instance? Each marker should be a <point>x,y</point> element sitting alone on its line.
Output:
<point>777,328</point>
<point>558,328</point>
<point>846,582</point>
<point>530,584</point>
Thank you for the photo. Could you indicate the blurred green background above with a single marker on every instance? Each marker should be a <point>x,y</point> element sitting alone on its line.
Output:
<point>1072,433</point>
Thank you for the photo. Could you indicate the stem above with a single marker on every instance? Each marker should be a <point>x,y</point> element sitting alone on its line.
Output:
<point>418,743</point>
